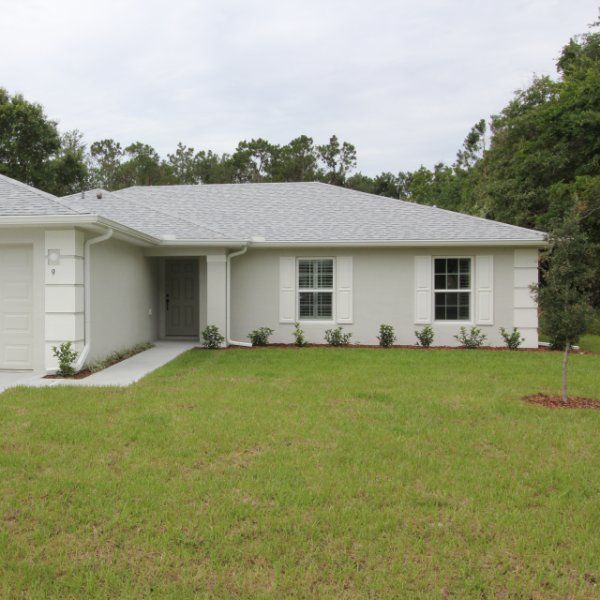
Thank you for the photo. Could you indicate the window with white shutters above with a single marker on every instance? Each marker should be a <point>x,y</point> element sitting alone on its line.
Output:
<point>315,289</point>
<point>452,289</point>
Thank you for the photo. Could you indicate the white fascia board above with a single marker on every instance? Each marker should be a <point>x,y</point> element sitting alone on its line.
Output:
<point>128,231</point>
<point>403,243</point>
<point>353,244</point>
<point>93,222</point>
<point>212,243</point>
<point>41,220</point>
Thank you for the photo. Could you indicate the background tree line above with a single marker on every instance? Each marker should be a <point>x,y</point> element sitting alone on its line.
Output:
<point>534,164</point>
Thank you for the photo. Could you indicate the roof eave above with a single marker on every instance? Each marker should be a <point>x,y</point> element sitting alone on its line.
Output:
<point>352,243</point>
<point>86,221</point>
<point>140,237</point>
<point>41,220</point>
<point>403,243</point>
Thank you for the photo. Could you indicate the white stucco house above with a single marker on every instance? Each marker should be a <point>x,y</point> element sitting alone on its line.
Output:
<point>108,270</point>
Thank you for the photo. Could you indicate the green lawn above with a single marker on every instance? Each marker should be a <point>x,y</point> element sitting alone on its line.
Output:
<point>306,473</point>
<point>587,343</point>
<point>590,343</point>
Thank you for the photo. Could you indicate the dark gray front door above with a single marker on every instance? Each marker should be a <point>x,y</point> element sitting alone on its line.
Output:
<point>181,297</point>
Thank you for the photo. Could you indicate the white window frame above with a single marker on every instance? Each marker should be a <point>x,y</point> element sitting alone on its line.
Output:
<point>299,290</point>
<point>471,320</point>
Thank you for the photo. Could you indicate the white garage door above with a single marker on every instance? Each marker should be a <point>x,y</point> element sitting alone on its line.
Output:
<point>16,307</point>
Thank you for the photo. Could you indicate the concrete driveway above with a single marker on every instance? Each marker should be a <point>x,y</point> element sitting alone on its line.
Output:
<point>10,379</point>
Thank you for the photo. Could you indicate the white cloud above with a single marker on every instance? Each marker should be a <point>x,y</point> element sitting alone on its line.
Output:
<point>402,80</point>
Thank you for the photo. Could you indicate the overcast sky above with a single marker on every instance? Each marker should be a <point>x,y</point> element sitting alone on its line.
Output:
<point>403,80</point>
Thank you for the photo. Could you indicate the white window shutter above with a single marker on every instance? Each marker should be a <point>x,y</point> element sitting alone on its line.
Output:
<point>484,290</point>
<point>423,289</point>
<point>287,289</point>
<point>344,279</point>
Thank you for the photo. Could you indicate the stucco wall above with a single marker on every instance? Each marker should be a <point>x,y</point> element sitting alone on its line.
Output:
<point>33,237</point>
<point>124,293</point>
<point>383,292</point>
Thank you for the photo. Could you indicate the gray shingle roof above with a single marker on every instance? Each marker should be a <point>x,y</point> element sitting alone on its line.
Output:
<point>299,212</point>
<point>157,222</point>
<point>19,199</point>
<point>278,212</point>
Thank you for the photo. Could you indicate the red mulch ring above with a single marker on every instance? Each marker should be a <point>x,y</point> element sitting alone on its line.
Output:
<point>556,401</point>
<point>80,375</point>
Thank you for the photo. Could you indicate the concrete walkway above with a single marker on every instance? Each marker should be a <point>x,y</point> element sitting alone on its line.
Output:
<point>122,374</point>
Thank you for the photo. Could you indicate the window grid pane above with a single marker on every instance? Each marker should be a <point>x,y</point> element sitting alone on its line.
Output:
<point>452,306</point>
<point>323,305</point>
<point>324,274</point>
<point>452,274</point>
<point>306,274</point>
<point>316,305</point>
<point>306,304</point>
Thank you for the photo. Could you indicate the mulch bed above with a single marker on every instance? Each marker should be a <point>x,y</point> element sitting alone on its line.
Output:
<point>80,375</point>
<point>556,401</point>
<point>396,347</point>
<point>109,363</point>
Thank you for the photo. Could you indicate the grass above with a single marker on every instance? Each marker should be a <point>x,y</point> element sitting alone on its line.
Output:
<point>317,472</point>
<point>590,343</point>
<point>587,343</point>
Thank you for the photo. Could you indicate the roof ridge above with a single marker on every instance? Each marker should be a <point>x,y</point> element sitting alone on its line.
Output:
<point>162,212</point>
<point>229,183</point>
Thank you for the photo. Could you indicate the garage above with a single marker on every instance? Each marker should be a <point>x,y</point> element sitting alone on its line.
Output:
<point>16,307</point>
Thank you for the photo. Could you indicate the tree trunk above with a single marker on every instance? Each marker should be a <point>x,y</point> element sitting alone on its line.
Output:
<point>564,371</point>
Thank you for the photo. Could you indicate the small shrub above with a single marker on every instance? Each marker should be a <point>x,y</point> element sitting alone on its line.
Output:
<point>66,357</point>
<point>260,336</point>
<point>212,338</point>
<point>425,336</point>
<point>386,335</point>
<point>512,340</point>
<point>472,339</point>
<point>299,338</point>
<point>336,337</point>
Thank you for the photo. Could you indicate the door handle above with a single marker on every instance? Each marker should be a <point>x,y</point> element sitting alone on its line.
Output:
<point>167,302</point>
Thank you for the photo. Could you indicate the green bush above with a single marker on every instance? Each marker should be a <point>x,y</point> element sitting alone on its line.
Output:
<point>336,337</point>
<point>425,336</point>
<point>66,357</point>
<point>512,339</point>
<point>299,338</point>
<point>471,339</point>
<point>594,326</point>
<point>386,335</point>
<point>260,336</point>
<point>212,338</point>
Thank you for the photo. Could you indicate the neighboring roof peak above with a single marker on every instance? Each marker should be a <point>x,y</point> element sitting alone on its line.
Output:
<point>18,198</point>
<point>19,184</point>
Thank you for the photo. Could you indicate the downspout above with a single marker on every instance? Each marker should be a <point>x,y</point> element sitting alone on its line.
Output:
<point>231,342</point>
<point>87,291</point>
